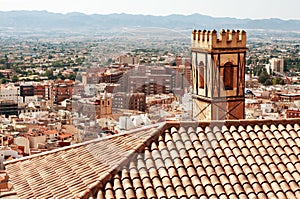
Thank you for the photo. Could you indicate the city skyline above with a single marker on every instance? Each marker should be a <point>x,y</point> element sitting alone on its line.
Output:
<point>255,9</point>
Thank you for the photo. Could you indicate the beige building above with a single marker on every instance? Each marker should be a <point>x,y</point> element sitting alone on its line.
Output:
<point>98,107</point>
<point>128,59</point>
<point>24,142</point>
<point>36,140</point>
<point>218,74</point>
<point>277,65</point>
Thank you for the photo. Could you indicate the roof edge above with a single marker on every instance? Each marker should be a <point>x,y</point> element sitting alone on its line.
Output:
<point>227,123</point>
<point>157,125</point>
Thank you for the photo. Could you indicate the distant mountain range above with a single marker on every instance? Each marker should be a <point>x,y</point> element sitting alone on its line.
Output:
<point>43,20</point>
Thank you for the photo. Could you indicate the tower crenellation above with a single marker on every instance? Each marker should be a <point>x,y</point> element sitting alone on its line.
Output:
<point>209,40</point>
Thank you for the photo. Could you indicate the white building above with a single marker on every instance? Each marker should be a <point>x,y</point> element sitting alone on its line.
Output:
<point>6,152</point>
<point>266,108</point>
<point>9,92</point>
<point>22,141</point>
<point>127,122</point>
<point>268,68</point>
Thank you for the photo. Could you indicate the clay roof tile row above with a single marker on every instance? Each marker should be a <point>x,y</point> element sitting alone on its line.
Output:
<point>233,159</point>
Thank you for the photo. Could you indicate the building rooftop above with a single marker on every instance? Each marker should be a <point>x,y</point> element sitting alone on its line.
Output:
<point>217,159</point>
<point>290,94</point>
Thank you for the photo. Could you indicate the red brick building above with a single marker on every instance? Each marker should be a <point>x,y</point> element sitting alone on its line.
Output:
<point>62,90</point>
<point>290,113</point>
<point>131,101</point>
<point>40,90</point>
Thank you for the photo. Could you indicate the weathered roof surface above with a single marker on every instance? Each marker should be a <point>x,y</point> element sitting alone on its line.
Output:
<point>231,159</point>
<point>69,172</point>
<point>215,161</point>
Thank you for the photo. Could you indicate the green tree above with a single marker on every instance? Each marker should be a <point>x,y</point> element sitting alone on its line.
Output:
<point>267,82</point>
<point>14,78</point>
<point>4,81</point>
<point>277,80</point>
<point>57,64</point>
<point>49,74</point>
<point>263,77</point>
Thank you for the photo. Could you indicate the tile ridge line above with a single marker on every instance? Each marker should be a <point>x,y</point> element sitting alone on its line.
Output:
<point>83,144</point>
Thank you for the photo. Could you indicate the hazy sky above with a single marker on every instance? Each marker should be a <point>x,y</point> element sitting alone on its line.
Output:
<point>254,9</point>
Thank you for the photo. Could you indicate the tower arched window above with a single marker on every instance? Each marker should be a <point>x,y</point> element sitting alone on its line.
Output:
<point>201,74</point>
<point>228,76</point>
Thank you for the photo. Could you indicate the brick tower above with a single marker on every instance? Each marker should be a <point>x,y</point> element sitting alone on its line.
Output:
<point>218,74</point>
<point>104,106</point>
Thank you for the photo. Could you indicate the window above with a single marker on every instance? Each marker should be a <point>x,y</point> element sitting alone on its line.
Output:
<point>201,75</point>
<point>228,76</point>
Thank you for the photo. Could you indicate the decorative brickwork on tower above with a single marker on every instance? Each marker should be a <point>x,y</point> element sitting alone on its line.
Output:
<point>218,68</point>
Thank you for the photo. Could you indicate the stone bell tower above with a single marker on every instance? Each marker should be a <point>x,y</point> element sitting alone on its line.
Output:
<point>218,74</point>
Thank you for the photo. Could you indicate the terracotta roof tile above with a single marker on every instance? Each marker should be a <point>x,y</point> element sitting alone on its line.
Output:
<point>230,159</point>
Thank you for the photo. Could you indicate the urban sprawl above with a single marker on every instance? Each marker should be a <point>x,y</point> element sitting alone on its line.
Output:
<point>56,92</point>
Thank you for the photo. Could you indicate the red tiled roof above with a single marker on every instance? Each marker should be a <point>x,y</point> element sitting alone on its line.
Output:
<point>231,159</point>
<point>65,135</point>
<point>70,171</point>
<point>50,132</point>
